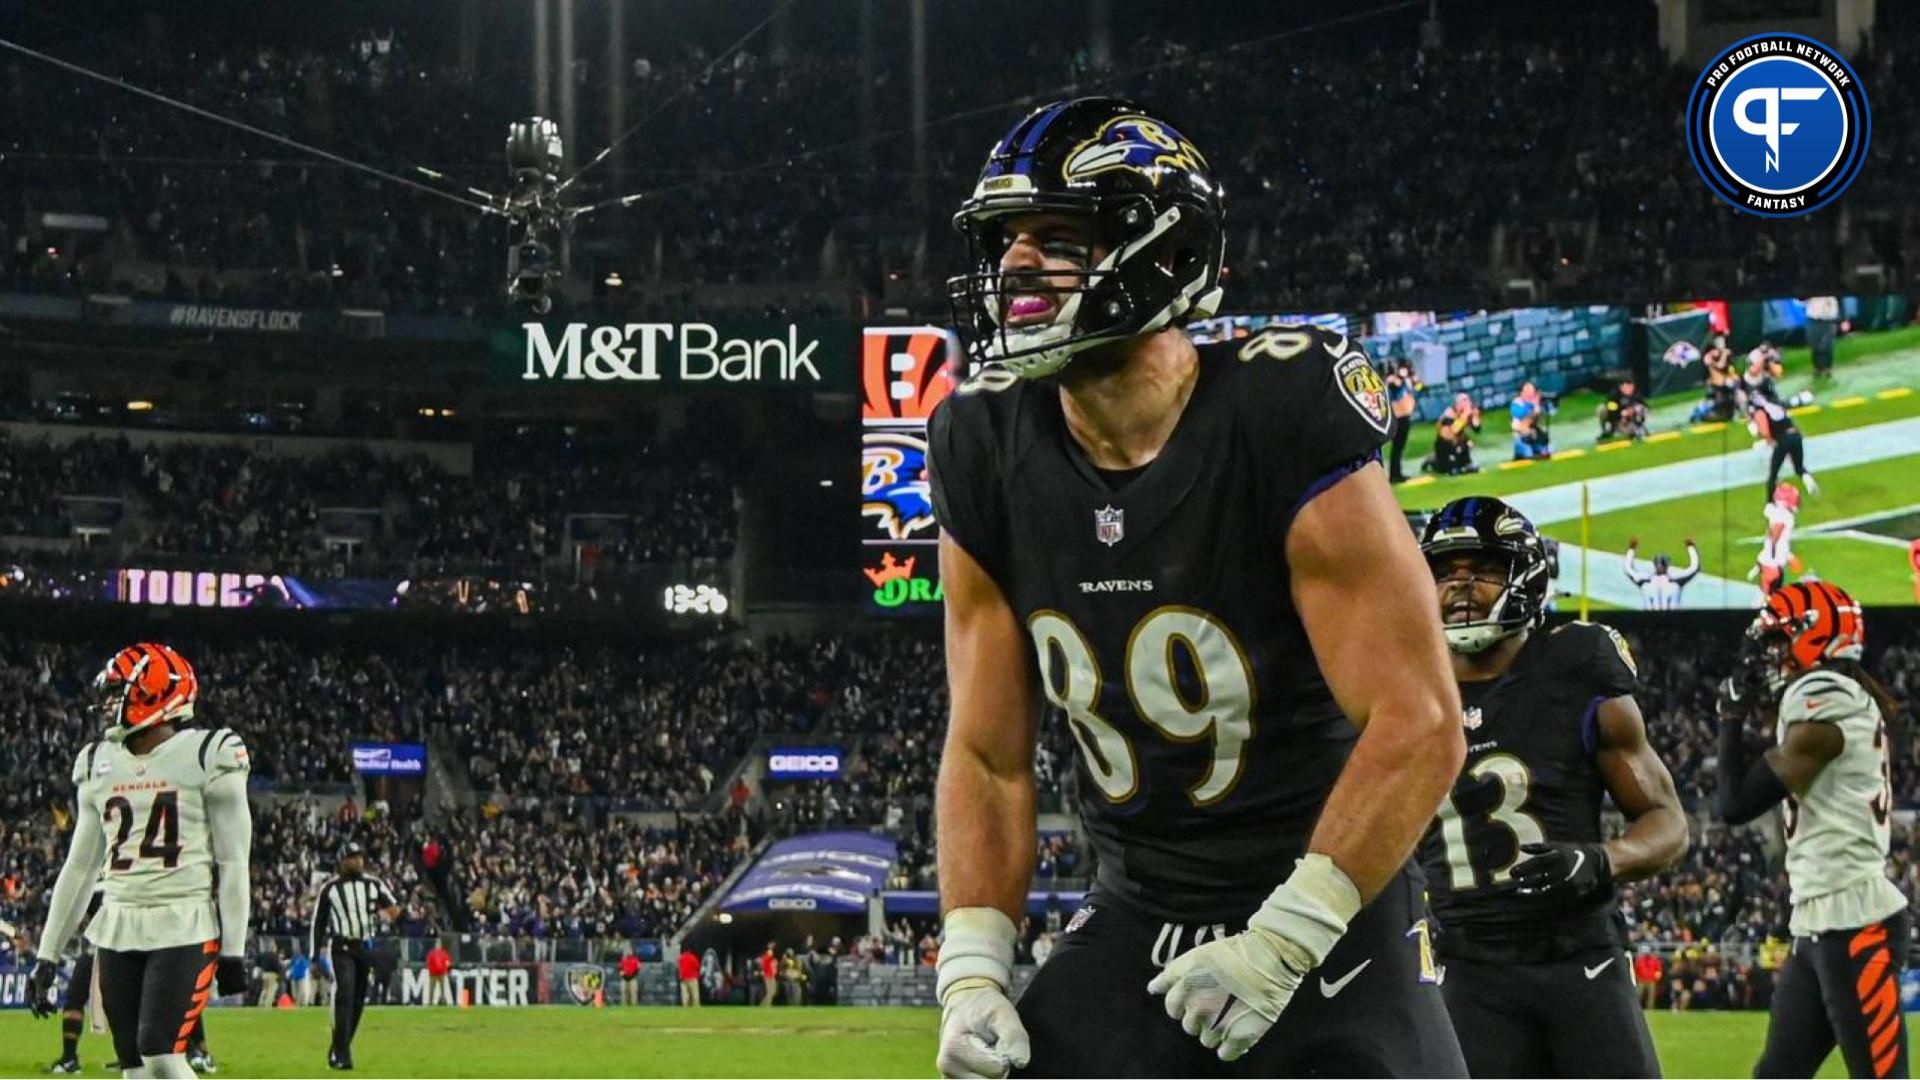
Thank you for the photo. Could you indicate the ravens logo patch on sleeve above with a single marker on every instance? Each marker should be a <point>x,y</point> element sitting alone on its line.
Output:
<point>1364,390</point>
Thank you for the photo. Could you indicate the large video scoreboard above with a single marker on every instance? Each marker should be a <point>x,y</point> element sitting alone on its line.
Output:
<point>904,373</point>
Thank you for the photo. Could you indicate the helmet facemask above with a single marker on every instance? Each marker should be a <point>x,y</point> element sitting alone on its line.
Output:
<point>1505,617</point>
<point>1767,654</point>
<point>1148,279</point>
<point>1148,200</point>
<point>1488,531</point>
<point>107,702</point>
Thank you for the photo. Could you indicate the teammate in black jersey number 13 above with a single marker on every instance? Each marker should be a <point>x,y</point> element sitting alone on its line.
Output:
<point>1521,875</point>
<point>1195,551</point>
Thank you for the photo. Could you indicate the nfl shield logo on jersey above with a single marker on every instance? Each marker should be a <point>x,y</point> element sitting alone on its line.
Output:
<point>1109,525</point>
<point>1471,717</point>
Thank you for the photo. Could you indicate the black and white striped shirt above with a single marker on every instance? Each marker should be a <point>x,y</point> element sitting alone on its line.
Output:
<point>346,910</point>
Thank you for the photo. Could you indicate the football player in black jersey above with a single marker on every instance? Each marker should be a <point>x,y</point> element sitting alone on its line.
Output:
<point>1193,555</point>
<point>1520,874</point>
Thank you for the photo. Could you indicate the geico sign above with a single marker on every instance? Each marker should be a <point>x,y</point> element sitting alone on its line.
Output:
<point>804,762</point>
<point>695,352</point>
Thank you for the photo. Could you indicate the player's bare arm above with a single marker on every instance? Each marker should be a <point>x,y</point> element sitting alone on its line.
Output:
<point>1361,589</point>
<point>1364,594</point>
<point>1643,789</point>
<point>985,820</point>
<point>1808,747</point>
<point>985,803</point>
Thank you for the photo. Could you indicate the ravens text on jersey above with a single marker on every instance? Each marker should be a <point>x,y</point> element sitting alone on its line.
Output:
<point>1159,608</point>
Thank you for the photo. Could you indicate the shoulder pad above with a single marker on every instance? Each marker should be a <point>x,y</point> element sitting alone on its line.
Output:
<point>1280,342</point>
<point>1600,650</point>
<point>1823,695</point>
<point>222,751</point>
<point>83,763</point>
<point>1315,367</point>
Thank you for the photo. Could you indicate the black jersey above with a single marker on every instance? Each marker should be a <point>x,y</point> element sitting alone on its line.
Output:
<point>1780,425</point>
<point>1159,606</point>
<point>1529,777</point>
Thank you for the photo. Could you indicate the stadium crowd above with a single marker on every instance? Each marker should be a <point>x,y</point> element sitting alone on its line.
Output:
<point>1564,180</point>
<point>548,736</point>
<point>520,877</point>
<point>348,508</point>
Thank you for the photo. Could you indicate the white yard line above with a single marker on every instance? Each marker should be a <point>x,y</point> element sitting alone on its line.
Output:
<point>1857,534</point>
<point>1844,524</point>
<point>1659,483</point>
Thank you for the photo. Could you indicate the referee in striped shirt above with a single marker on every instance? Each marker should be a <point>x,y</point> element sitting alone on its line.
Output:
<point>343,921</point>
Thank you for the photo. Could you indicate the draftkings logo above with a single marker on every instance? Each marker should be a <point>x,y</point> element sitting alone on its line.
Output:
<point>895,584</point>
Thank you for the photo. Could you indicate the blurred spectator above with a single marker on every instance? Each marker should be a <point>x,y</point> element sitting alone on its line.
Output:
<point>1453,437</point>
<point>689,971</point>
<point>439,968</point>
<point>629,977</point>
<point>1564,183</point>
<point>1529,419</point>
<point>1403,388</point>
<point>1647,971</point>
<point>1720,402</point>
<point>1623,415</point>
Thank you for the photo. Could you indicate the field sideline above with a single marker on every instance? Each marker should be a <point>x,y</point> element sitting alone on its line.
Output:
<point>658,1041</point>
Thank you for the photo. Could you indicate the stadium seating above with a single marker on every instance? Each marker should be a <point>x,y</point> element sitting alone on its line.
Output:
<point>553,740</point>
<point>227,501</point>
<point>1411,214</point>
<point>595,777</point>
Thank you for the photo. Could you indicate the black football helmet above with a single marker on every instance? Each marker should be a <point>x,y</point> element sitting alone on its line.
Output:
<point>1156,209</point>
<point>1482,525</point>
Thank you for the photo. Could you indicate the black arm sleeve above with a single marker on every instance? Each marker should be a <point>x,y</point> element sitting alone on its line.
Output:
<point>961,482</point>
<point>1746,791</point>
<point>317,933</point>
<point>1312,421</point>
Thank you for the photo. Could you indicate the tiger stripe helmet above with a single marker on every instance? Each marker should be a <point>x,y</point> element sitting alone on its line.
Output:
<point>1817,621</point>
<point>143,685</point>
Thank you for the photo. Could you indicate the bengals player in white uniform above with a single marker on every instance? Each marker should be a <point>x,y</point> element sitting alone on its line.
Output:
<point>1830,763</point>
<point>159,809</point>
<point>1776,550</point>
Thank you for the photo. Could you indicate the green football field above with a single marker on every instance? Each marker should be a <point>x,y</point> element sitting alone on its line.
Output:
<point>1707,481</point>
<point>567,1041</point>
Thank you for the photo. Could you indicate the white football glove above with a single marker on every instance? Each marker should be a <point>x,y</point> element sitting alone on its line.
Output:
<point>1228,992</point>
<point>981,1035</point>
